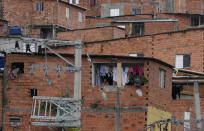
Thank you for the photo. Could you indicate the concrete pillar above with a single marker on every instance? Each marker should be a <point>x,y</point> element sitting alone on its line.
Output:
<point>197,104</point>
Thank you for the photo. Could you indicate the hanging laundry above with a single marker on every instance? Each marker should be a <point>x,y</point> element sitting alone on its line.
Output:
<point>15,72</point>
<point>17,45</point>
<point>11,76</point>
<point>141,71</point>
<point>102,70</point>
<point>28,48</point>
<point>114,74</point>
<point>126,69</point>
<point>124,78</point>
<point>135,69</point>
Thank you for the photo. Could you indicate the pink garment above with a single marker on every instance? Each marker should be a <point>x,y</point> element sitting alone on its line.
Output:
<point>141,70</point>
<point>135,69</point>
<point>11,76</point>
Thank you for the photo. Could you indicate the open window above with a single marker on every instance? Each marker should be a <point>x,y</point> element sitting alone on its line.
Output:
<point>197,20</point>
<point>17,67</point>
<point>33,92</point>
<point>137,29</point>
<point>133,74</point>
<point>105,74</point>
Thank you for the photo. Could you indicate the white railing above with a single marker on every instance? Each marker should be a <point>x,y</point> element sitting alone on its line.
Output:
<point>55,111</point>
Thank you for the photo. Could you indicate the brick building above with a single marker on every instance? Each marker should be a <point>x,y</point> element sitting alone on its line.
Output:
<point>45,18</point>
<point>101,100</point>
<point>164,46</point>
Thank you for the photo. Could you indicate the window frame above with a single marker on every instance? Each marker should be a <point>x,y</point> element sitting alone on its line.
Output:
<point>92,2</point>
<point>183,61</point>
<point>80,17</point>
<point>67,10</point>
<point>160,78</point>
<point>136,10</point>
<point>114,14</point>
<point>39,6</point>
<point>138,26</point>
<point>116,63</point>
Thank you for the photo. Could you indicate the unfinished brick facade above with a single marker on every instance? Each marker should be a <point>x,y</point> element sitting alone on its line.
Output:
<point>164,46</point>
<point>92,34</point>
<point>50,13</point>
<point>133,107</point>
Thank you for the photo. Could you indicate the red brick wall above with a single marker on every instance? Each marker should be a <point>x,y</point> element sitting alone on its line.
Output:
<point>164,46</point>
<point>19,100</point>
<point>183,20</point>
<point>19,13</point>
<point>23,13</point>
<point>158,27</point>
<point>92,34</point>
<point>72,22</point>
<point>159,97</point>
<point>55,13</point>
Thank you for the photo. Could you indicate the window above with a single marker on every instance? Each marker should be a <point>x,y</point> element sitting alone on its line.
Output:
<point>17,68</point>
<point>67,13</point>
<point>133,74</point>
<point>137,54</point>
<point>33,92</point>
<point>74,1</point>
<point>137,29</point>
<point>197,20</point>
<point>15,121</point>
<point>182,61</point>
<point>80,16</point>
<point>106,74</point>
<point>136,11</point>
<point>5,29</point>
<point>114,12</point>
<point>162,78</point>
<point>39,6</point>
<point>92,2</point>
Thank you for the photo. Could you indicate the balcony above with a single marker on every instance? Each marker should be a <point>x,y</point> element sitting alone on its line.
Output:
<point>56,112</point>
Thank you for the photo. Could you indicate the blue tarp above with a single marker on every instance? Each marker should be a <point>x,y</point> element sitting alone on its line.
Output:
<point>2,61</point>
<point>15,30</point>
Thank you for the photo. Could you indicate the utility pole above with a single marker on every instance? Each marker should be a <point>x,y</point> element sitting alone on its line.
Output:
<point>77,77</point>
<point>197,104</point>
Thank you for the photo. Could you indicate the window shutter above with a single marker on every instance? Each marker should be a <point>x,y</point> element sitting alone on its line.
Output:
<point>186,61</point>
<point>67,13</point>
<point>179,61</point>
